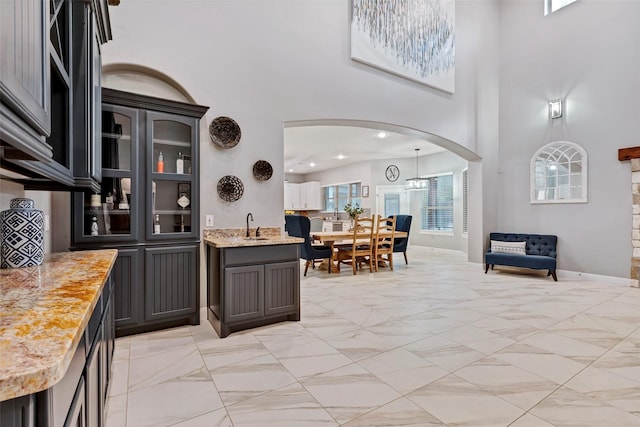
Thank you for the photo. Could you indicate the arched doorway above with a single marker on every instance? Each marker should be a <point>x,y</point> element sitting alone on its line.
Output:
<point>337,143</point>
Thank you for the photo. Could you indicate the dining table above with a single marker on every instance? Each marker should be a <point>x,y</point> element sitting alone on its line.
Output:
<point>330,238</point>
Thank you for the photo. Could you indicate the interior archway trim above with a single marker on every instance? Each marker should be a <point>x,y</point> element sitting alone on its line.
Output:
<point>445,143</point>
<point>149,74</point>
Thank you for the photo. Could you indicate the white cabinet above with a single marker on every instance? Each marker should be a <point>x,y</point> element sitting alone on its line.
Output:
<point>327,226</point>
<point>291,196</point>
<point>304,196</point>
<point>310,196</point>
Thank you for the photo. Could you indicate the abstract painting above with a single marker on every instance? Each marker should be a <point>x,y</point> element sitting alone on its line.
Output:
<point>414,39</point>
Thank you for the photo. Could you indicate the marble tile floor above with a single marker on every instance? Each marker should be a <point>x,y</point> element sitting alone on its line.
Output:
<point>433,343</point>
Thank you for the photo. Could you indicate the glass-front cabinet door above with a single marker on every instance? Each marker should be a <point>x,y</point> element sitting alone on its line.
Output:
<point>112,214</point>
<point>171,185</point>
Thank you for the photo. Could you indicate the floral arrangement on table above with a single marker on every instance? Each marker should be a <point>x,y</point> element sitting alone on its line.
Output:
<point>353,210</point>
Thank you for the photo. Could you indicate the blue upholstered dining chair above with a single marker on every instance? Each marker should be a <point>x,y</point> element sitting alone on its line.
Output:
<point>403,223</point>
<point>300,226</point>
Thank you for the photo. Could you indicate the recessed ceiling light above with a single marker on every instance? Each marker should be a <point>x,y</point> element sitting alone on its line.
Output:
<point>340,156</point>
<point>290,170</point>
<point>381,135</point>
<point>312,164</point>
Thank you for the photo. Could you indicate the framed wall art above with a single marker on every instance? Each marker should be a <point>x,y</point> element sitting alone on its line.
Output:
<point>414,39</point>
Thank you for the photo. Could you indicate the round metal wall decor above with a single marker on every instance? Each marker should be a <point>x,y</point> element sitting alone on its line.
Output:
<point>230,188</point>
<point>224,132</point>
<point>262,170</point>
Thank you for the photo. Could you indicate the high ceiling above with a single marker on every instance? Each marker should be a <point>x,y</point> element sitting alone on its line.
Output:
<point>322,146</point>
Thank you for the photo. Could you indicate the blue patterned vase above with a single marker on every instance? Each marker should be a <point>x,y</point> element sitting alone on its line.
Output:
<point>22,232</point>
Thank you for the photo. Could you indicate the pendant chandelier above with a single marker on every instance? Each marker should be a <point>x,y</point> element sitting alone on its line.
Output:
<point>417,183</point>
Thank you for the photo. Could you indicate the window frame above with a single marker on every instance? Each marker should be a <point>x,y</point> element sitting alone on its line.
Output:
<point>465,201</point>
<point>354,195</point>
<point>558,151</point>
<point>424,206</point>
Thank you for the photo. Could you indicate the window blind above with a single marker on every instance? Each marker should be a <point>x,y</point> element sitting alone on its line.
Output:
<point>465,201</point>
<point>437,203</point>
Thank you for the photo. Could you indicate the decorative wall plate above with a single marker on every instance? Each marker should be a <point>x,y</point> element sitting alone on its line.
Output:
<point>230,188</point>
<point>392,173</point>
<point>224,132</point>
<point>262,170</point>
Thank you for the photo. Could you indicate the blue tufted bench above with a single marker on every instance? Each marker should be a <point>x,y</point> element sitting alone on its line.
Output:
<point>540,252</point>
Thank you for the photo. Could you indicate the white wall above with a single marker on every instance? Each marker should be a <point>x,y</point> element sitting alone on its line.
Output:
<point>354,172</point>
<point>264,62</point>
<point>586,53</point>
<point>41,200</point>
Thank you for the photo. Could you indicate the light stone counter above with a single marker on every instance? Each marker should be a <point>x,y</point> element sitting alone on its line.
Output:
<point>44,311</point>
<point>234,238</point>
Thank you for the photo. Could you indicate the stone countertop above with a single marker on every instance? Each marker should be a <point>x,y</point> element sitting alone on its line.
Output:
<point>239,242</point>
<point>234,238</point>
<point>44,311</point>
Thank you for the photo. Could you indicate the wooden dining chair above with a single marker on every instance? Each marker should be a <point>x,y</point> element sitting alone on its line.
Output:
<point>361,248</point>
<point>383,241</point>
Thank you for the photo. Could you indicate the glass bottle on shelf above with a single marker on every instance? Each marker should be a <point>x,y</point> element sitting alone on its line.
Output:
<point>156,224</point>
<point>179,164</point>
<point>160,166</point>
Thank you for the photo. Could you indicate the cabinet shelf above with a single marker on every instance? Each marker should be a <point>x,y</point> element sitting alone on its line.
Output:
<point>168,176</point>
<point>172,212</point>
<point>172,142</point>
<point>116,136</point>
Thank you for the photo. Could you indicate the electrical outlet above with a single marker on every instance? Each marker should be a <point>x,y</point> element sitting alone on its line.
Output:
<point>208,221</point>
<point>46,223</point>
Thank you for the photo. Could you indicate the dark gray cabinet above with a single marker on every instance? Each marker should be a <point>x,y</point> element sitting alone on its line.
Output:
<point>243,293</point>
<point>169,289</point>
<point>50,71</point>
<point>79,398</point>
<point>18,412</point>
<point>148,211</point>
<point>77,416</point>
<point>252,286</point>
<point>127,276</point>
<point>25,121</point>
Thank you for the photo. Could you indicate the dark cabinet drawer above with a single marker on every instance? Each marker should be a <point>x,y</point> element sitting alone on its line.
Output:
<point>260,254</point>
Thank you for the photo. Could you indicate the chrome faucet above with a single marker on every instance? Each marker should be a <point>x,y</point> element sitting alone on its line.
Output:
<point>336,212</point>
<point>249,215</point>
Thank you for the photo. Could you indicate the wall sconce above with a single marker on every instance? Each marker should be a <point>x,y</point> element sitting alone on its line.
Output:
<point>555,109</point>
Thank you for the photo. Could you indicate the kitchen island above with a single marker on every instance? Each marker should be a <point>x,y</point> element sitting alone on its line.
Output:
<point>56,339</point>
<point>251,282</point>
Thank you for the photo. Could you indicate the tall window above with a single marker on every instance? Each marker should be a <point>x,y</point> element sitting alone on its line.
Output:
<point>336,196</point>
<point>465,200</point>
<point>437,203</point>
<point>551,6</point>
<point>559,174</point>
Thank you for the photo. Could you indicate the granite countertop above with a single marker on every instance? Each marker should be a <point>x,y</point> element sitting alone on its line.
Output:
<point>234,238</point>
<point>44,311</point>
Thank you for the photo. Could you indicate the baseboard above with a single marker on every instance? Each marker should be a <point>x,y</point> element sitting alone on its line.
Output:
<point>576,275</point>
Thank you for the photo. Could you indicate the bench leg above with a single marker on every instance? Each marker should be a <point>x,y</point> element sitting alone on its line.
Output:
<point>486,269</point>
<point>553,273</point>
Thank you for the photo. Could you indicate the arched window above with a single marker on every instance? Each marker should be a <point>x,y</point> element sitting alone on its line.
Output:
<point>559,174</point>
